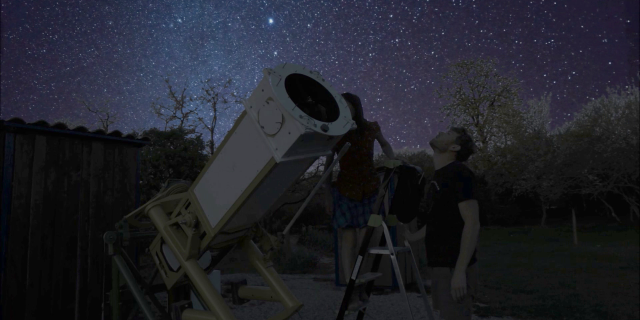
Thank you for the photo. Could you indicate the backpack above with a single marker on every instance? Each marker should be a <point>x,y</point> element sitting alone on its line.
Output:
<point>408,193</point>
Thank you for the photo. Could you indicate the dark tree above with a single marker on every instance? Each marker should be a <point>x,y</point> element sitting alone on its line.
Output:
<point>172,154</point>
<point>106,116</point>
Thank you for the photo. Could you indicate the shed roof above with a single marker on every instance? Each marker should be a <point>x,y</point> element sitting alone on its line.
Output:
<point>59,127</point>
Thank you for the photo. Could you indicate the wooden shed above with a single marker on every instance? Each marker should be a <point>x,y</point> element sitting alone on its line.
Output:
<point>61,190</point>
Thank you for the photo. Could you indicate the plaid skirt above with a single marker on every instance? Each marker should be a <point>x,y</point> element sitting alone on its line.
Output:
<point>352,213</point>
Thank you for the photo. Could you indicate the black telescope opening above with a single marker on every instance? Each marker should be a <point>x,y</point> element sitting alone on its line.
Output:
<point>311,97</point>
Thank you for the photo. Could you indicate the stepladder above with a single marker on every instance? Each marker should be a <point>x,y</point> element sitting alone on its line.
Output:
<point>381,219</point>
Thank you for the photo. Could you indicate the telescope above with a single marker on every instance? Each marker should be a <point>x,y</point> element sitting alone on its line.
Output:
<point>291,118</point>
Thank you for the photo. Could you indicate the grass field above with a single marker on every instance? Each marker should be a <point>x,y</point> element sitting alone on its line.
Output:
<point>538,273</point>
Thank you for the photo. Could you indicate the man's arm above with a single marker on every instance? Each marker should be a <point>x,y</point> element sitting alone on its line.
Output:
<point>470,214</point>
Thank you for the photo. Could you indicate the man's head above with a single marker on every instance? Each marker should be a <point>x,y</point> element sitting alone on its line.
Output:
<point>456,142</point>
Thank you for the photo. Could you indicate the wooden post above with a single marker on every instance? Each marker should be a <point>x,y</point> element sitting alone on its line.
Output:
<point>575,231</point>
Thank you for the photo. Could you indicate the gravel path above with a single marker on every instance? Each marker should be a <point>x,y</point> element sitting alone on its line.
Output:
<point>321,300</point>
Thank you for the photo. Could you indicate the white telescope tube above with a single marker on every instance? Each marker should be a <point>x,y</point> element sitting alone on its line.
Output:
<point>313,192</point>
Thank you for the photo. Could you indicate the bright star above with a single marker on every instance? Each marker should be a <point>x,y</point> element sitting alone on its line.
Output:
<point>270,21</point>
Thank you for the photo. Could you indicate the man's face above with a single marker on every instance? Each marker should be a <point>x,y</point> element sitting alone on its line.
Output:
<point>443,141</point>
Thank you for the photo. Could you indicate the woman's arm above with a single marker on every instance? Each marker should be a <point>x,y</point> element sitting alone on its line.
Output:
<point>386,147</point>
<point>327,163</point>
<point>328,200</point>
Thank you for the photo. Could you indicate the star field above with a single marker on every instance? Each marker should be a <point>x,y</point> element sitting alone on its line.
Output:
<point>390,53</point>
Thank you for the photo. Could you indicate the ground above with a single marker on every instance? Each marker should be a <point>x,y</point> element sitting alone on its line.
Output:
<point>525,273</point>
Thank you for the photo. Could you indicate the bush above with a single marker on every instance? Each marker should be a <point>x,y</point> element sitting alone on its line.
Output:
<point>314,214</point>
<point>316,240</point>
<point>277,222</point>
<point>172,154</point>
<point>420,158</point>
<point>503,215</point>
<point>300,261</point>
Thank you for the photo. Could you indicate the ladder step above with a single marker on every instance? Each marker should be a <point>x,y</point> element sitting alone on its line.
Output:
<point>385,250</point>
<point>369,276</point>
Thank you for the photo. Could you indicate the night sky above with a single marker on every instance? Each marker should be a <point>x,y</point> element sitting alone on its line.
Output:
<point>390,53</point>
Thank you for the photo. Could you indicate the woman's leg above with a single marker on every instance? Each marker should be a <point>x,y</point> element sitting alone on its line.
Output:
<point>360,234</point>
<point>348,253</point>
<point>350,238</point>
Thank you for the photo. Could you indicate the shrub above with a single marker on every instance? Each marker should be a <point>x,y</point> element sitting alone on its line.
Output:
<point>300,261</point>
<point>316,240</point>
<point>502,215</point>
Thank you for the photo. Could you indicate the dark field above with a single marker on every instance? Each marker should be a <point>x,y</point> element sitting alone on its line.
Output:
<point>538,273</point>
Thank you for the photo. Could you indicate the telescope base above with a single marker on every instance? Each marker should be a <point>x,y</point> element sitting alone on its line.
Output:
<point>210,297</point>
<point>277,290</point>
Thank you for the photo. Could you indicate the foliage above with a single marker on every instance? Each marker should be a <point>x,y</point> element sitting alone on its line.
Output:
<point>480,99</point>
<point>106,115</point>
<point>420,158</point>
<point>180,109</point>
<point>316,240</point>
<point>314,213</point>
<point>300,261</point>
<point>593,155</point>
<point>484,101</point>
<point>172,154</point>
<point>276,219</point>
<point>588,156</point>
<point>502,215</point>
<point>212,97</point>
<point>528,165</point>
<point>178,150</point>
<point>190,111</point>
<point>600,148</point>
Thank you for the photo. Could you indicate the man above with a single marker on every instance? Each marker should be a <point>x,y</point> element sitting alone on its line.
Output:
<point>452,226</point>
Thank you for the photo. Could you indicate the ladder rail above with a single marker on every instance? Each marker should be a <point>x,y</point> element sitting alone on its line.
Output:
<point>354,274</point>
<point>369,287</point>
<point>396,267</point>
<point>420,283</point>
<point>362,251</point>
<point>383,200</point>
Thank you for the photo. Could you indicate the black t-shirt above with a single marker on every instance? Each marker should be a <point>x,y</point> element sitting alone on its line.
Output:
<point>450,185</point>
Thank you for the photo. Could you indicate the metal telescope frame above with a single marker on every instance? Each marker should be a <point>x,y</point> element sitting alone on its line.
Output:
<point>277,141</point>
<point>122,263</point>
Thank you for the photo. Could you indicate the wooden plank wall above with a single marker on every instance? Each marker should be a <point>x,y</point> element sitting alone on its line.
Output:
<point>82,260</point>
<point>5,207</point>
<point>18,242</point>
<point>66,193</point>
<point>38,223</point>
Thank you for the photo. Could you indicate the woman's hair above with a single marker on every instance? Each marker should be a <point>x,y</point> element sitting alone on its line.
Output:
<point>464,140</point>
<point>357,105</point>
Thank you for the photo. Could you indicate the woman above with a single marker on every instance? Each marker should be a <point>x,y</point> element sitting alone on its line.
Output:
<point>352,197</point>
